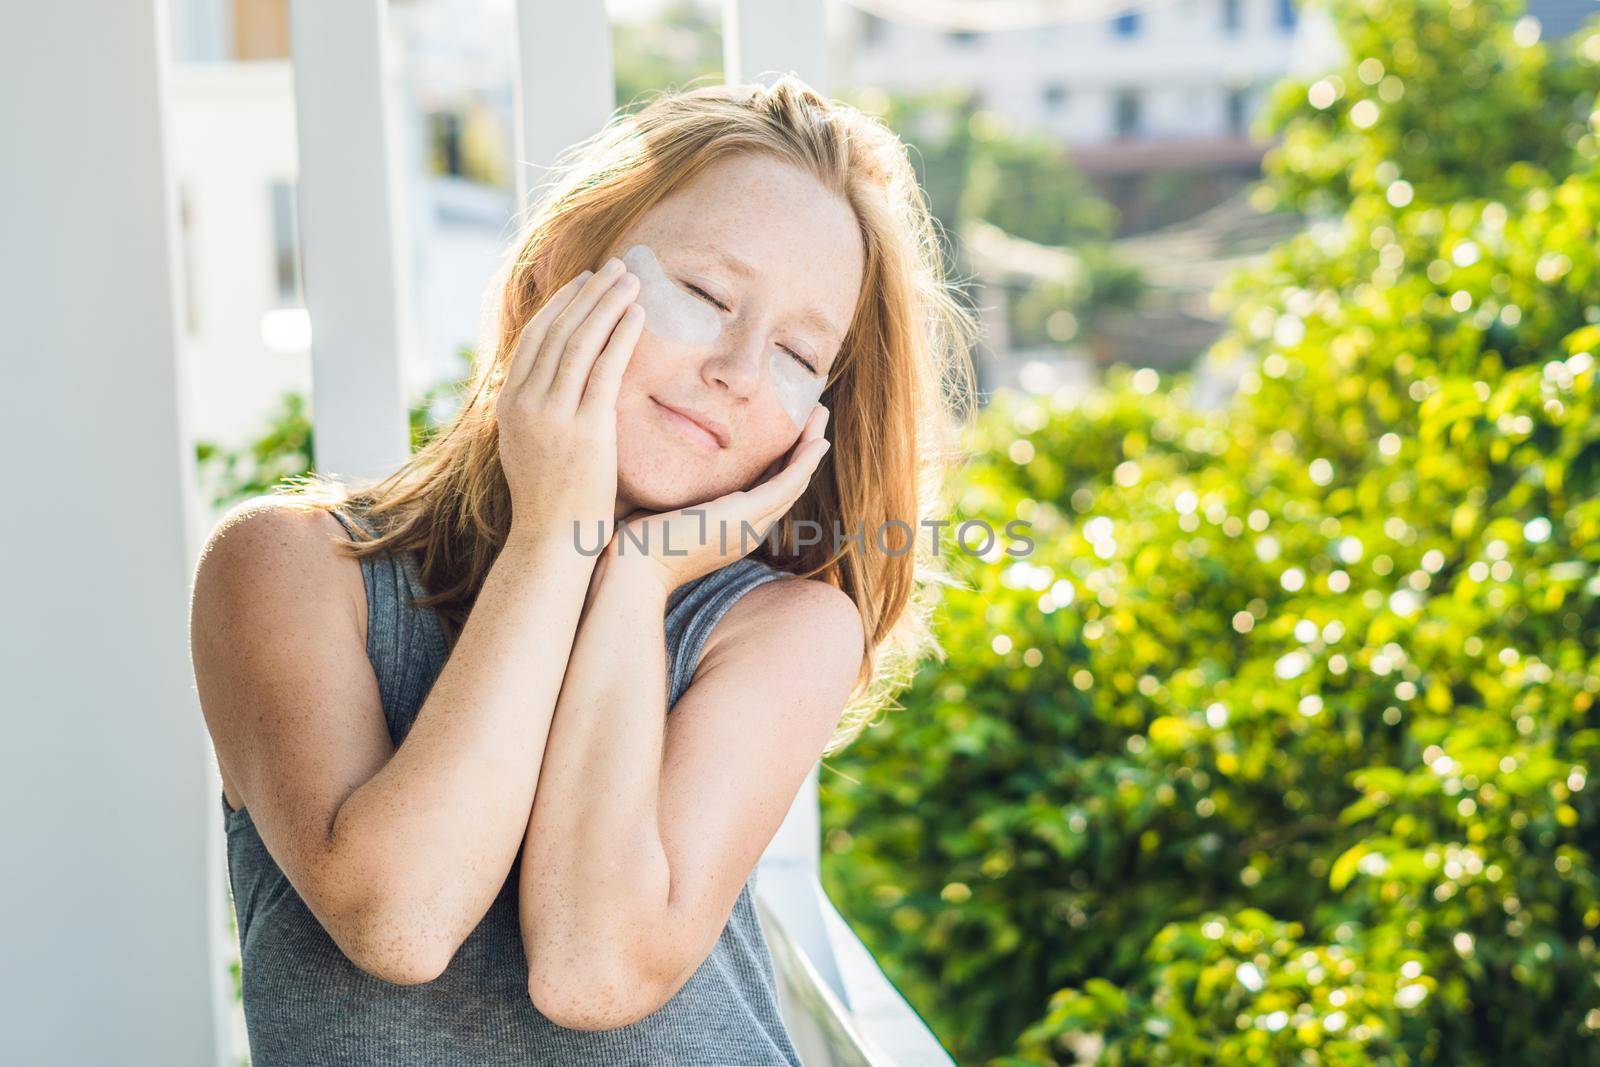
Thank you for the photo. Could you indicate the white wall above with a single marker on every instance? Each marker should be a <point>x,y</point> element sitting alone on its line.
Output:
<point>106,809</point>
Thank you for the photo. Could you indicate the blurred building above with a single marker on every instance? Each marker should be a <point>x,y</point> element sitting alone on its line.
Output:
<point>1161,87</point>
<point>1178,74</point>
<point>234,157</point>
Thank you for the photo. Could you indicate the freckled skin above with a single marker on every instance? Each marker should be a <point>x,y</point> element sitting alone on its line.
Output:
<point>806,246</point>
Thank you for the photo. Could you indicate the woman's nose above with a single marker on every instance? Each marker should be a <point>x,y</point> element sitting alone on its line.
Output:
<point>736,361</point>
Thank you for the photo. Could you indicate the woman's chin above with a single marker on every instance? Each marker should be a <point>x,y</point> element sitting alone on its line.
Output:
<point>659,474</point>
<point>661,485</point>
<point>664,488</point>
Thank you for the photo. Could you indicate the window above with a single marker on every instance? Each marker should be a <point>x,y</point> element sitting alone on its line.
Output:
<point>1286,14</point>
<point>445,131</point>
<point>1054,96</point>
<point>1125,112</point>
<point>285,245</point>
<point>1237,100</point>
<point>1126,24</point>
<point>1230,17</point>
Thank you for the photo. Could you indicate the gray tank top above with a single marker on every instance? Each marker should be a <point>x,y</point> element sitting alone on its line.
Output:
<point>307,1005</point>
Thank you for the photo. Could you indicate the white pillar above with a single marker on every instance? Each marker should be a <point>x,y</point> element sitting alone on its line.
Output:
<point>106,807</point>
<point>762,37</point>
<point>352,244</point>
<point>566,86</point>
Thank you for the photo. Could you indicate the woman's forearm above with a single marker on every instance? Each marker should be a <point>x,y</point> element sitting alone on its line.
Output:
<point>594,849</point>
<point>439,825</point>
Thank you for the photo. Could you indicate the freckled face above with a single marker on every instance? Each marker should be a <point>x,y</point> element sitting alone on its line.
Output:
<point>803,250</point>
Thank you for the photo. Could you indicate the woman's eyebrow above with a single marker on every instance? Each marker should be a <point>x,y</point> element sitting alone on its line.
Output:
<point>814,316</point>
<point>820,321</point>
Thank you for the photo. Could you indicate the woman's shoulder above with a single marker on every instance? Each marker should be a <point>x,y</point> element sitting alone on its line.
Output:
<point>268,545</point>
<point>773,601</point>
<point>271,527</point>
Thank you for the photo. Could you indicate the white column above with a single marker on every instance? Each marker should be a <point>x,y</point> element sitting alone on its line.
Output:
<point>761,38</point>
<point>106,807</point>
<point>352,244</point>
<point>566,87</point>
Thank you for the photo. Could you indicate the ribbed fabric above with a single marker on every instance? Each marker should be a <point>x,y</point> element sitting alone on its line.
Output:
<point>307,1005</point>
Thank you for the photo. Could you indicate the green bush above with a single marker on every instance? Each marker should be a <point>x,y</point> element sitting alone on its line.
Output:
<point>1275,748</point>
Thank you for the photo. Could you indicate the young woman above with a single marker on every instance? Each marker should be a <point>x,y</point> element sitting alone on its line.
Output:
<point>503,736</point>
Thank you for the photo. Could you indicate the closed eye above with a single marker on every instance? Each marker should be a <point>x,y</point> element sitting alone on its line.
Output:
<point>693,288</point>
<point>798,358</point>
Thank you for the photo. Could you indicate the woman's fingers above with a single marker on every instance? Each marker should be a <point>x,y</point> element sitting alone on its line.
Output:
<point>569,322</point>
<point>772,498</point>
<point>605,377</point>
<point>810,430</point>
<point>768,501</point>
<point>533,334</point>
<point>591,336</point>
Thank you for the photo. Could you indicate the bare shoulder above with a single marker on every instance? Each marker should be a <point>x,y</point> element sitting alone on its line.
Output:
<point>268,547</point>
<point>277,620</point>
<point>808,621</point>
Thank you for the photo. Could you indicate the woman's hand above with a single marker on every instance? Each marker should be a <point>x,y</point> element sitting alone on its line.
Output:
<point>557,409</point>
<point>676,547</point>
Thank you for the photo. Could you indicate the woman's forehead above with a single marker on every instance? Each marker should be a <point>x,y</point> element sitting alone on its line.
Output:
<point>743,199</point>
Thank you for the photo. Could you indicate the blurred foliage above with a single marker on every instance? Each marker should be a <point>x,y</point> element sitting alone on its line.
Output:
<point>1025,184</point>
<point>1055,313</point>
<point>1275,748</point>
<point>282,450</point>
<point>1455,94</point>
<point>484,150</point>
<point>481,143</point>
<point>285,449</point>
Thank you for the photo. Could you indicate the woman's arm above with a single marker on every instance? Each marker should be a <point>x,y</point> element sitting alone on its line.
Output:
<point>397,852</point>
<point>449,808</point>
<point>647,825</point>
<point>400,852</point>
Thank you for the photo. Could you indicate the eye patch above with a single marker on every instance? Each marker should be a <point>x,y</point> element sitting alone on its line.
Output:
<point>670,312</point>
<point>676,315</point>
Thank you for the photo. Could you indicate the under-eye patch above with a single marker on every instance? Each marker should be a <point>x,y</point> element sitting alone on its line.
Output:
<point>669,311</point>
<point>679,316</point>
<point>798,389</point>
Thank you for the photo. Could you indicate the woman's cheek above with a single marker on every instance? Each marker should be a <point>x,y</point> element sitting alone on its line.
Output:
<point>642,366</point>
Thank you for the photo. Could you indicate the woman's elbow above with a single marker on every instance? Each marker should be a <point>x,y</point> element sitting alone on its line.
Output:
<point>394,971</point>
<point>595,1001</point>
<point>394,950</point>
<point>380,923</point>
<point>397,970</point>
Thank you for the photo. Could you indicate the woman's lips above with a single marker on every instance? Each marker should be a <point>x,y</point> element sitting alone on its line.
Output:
<point>690,428</point>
